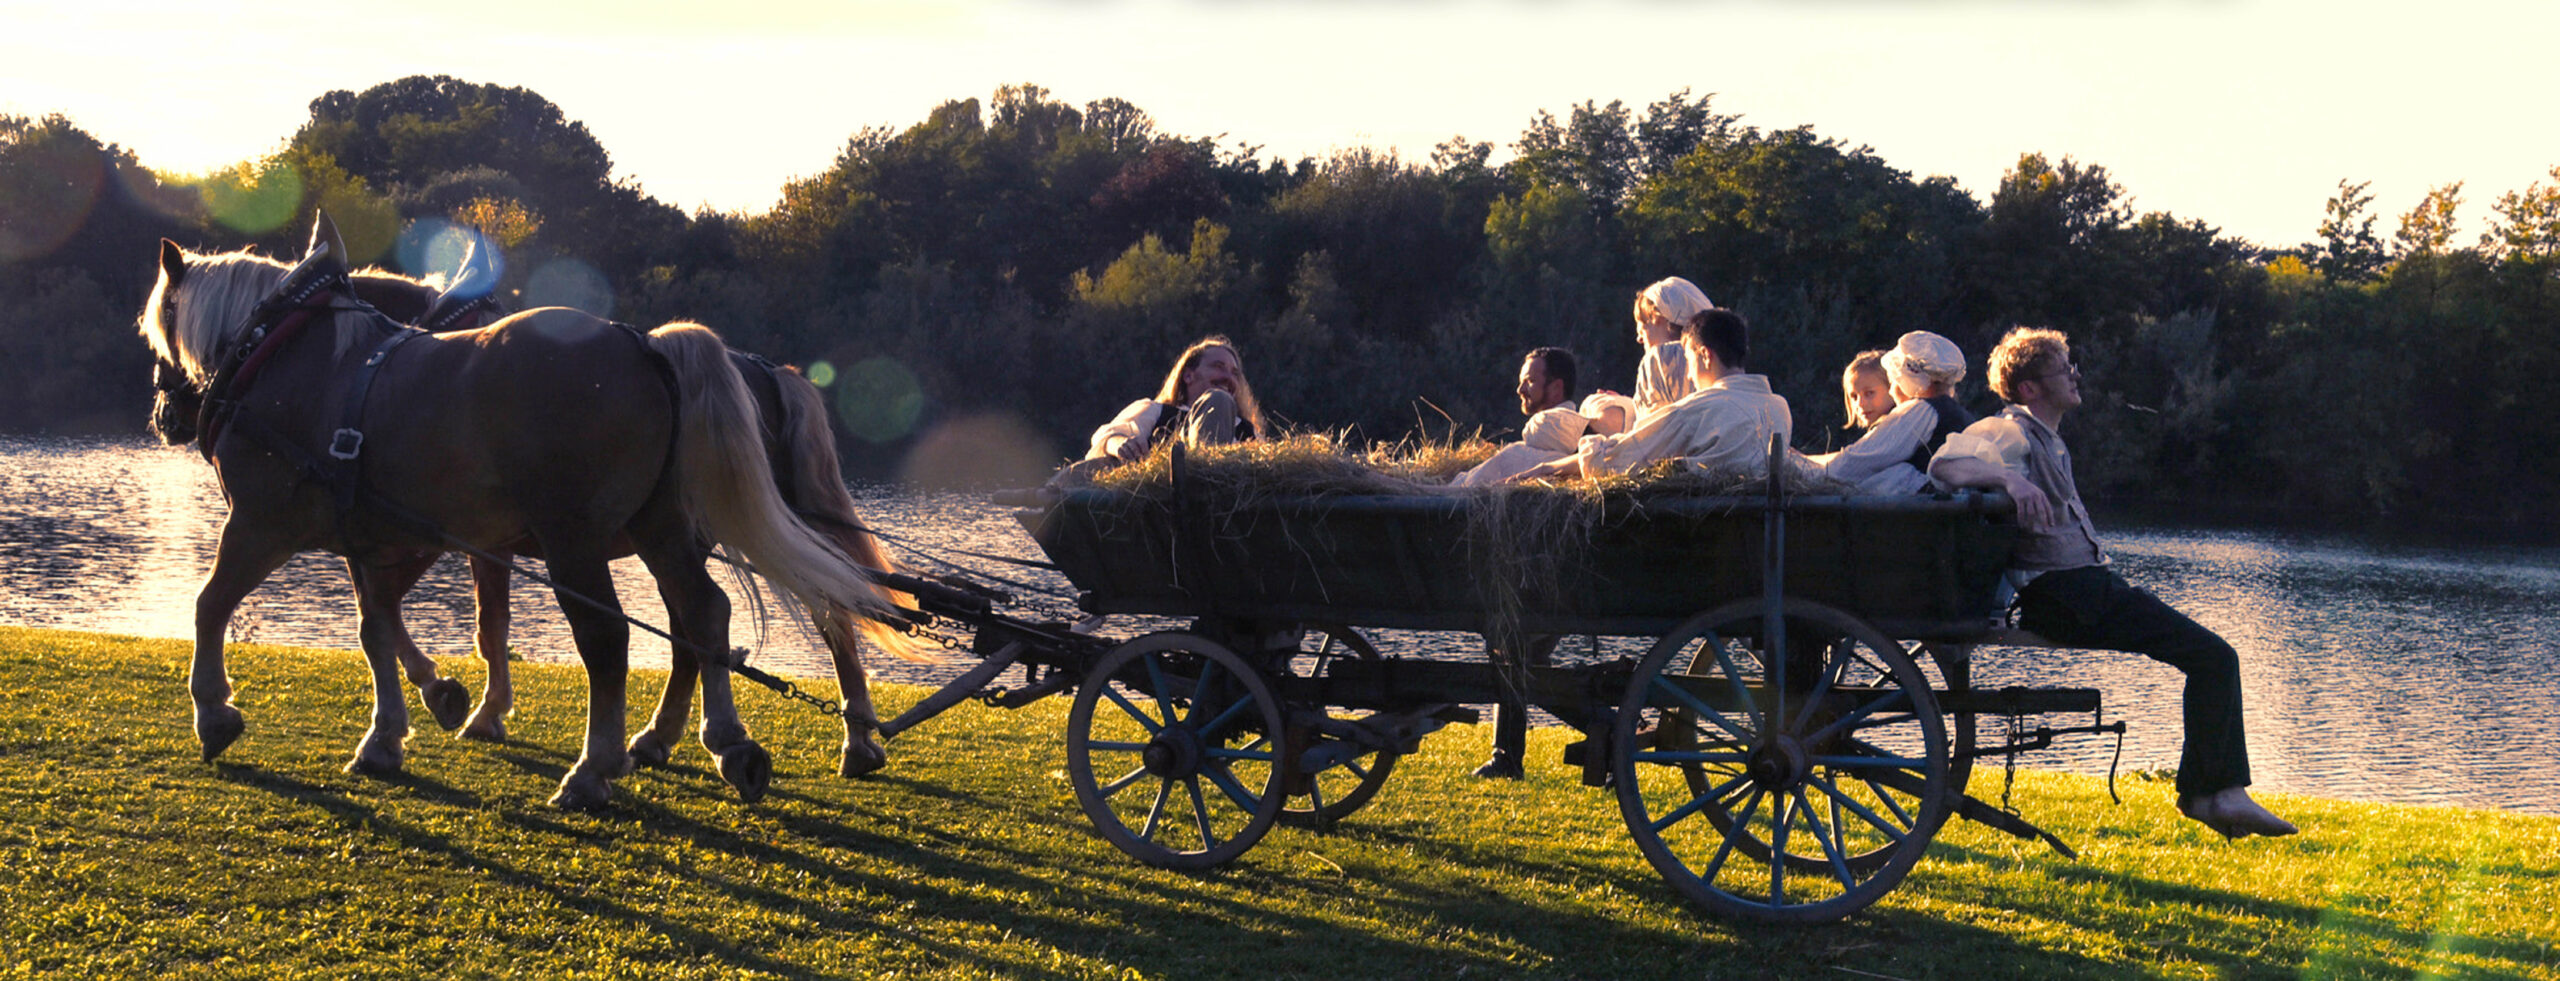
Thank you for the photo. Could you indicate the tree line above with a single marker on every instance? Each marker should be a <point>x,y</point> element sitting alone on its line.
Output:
<point>1030,260</point>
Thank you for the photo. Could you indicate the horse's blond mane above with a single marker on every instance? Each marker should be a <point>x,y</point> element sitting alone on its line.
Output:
<point>214,301</point>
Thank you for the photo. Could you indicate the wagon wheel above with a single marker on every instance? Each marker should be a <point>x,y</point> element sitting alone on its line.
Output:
<point>1168,752</point>
<point>1843,780</point>
<point>1954,669</point>
<point>1319,798</point>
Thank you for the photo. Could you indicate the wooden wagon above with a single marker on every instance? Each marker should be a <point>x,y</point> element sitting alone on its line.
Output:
<point>1781,752</point>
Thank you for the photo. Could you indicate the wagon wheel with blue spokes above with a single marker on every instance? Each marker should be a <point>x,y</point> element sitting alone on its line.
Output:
<point>1795,788</point>
<point>1169,753</point>
<point>1321,795</point>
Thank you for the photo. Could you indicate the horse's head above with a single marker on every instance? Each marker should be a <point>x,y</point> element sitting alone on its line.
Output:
<point>201,304</point>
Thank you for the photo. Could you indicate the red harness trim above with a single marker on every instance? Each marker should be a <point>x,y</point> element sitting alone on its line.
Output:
<point>209,430</point>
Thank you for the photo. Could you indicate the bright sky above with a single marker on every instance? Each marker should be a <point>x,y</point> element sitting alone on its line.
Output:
<point>2242,113</point>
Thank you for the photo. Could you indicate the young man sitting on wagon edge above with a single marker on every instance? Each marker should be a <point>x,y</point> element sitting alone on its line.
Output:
<point>2069,596</point>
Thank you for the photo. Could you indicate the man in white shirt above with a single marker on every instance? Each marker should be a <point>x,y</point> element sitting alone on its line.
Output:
<point>2069,596</point>
<point>1556,425</point>
<point>1724,425</point>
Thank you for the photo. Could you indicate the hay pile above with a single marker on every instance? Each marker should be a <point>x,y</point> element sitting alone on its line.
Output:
<point>1525,541</point>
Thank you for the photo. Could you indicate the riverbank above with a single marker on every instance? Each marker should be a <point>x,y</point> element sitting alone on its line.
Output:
<point>968,858</point>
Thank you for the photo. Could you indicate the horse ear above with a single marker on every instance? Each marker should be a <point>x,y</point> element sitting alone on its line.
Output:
<point>173,262</point>
<point>325,240</point>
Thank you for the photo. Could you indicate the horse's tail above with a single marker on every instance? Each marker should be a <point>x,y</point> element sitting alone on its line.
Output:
<point>817,488</point>
<point>727,486</point>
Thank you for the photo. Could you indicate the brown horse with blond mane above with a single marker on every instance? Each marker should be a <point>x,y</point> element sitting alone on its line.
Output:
<point>551,432</point>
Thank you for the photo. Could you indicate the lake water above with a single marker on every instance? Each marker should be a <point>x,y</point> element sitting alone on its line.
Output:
<point>2406,673</point>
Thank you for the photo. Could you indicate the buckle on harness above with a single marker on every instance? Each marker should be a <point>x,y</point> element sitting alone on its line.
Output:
<point>345,443</point>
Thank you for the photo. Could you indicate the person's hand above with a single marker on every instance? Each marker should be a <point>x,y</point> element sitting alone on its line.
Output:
<point>1130,451</point>
<point>2034,509</point>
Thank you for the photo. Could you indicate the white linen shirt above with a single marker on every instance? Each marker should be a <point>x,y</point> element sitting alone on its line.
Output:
<point>1549,435</point>
<point>1724,426</point>
<point>1137,422</point>
<point>1663,378</point>
<point>1880,461</point>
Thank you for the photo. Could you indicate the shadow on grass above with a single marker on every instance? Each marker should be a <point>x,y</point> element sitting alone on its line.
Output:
<point>2188,918</point>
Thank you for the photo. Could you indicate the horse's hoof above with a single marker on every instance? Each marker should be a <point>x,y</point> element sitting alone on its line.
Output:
<point>447,700</point>
<point>217,727</point>
<point>862,756</point>
<point>579,792</point>
<point>372,762</point>
<point>485,726</point>
<point>747,767</point>
<point>651,750</point>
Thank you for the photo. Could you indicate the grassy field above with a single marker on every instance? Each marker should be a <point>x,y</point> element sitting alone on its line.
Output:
<point>124,856</point>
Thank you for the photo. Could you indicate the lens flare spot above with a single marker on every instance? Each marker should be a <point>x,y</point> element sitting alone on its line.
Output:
<point>255,200</point>
<point>435,247</point>
<point>569,283</point>
<point>35,224</point>
<point>821,374</point>
<point>878,400</point>
<point>980,451</point>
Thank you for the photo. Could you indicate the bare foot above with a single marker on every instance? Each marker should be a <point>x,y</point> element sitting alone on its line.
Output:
<point>2232,812</point>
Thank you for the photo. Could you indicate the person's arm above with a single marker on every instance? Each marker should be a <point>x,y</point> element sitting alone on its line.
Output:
<point>1567,468</point>
<point>1967,470</point>
<point>1889,442</point>
<point>1124,438</point>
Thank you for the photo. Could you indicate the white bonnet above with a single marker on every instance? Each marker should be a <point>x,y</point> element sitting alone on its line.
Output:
<point>1598,404</point>
<point>1678,299</point>
<point>1921,358</point>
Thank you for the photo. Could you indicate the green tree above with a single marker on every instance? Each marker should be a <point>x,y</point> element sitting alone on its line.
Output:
<point>2348,251</point>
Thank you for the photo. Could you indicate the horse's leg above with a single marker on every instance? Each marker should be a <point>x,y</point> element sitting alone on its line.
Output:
<point>701,614</point>
<point>862,750</point>
<point>498,700</point>
<point>445,698</point>
<point>604,643</point>
<point>243,558</point>
<point>378,592</point>
<point>655,745</point>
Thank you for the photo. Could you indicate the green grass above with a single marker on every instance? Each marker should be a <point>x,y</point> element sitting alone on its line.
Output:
<point>122,855</point>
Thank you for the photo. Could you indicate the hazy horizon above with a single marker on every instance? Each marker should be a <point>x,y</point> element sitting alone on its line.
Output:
<point>2244,115</point>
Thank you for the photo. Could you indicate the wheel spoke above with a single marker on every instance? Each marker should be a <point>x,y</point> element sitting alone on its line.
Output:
<point>1164,694</point>
<point>1220,723</point>
<point>1115,786</point>
<point>1144,721</point>
<point>1694,704</point>
<point>1725,850</point>
<point>1200,813</point>
<point>1872,762</point>
<point>1890,698</point>
<point>1830,848</point>
<point>1783,817</point>
<point>1900,816</point>
<point>1201,689</point>
<point>1116,746</point>
<point>1742,691</point>
<point>1155,811</point>
<point>1839,800</point>
<point>1669,756</point>
<point>1215,753</point>
<point>1821,687</point>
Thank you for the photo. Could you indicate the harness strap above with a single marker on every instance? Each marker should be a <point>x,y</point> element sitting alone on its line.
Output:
<point>348,441</point>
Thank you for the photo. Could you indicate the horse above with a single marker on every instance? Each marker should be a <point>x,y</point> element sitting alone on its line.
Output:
<point>551,432</point>
<point>798,441</point>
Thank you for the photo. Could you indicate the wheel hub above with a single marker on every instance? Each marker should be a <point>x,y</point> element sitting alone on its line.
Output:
<point>1782,762</point>
<point>1174,752</point>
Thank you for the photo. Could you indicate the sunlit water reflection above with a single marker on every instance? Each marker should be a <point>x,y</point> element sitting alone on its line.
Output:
<point>2376,672</point>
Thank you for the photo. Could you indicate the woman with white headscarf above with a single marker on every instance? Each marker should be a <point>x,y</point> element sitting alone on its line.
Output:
<point>1893,457</point>
<point>1661,309</point>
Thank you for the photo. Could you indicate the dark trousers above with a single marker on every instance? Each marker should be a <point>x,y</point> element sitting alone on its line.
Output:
<point>2094,607</point>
